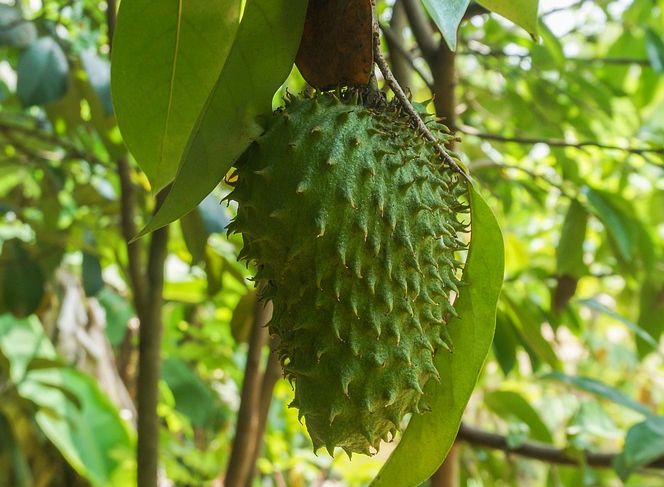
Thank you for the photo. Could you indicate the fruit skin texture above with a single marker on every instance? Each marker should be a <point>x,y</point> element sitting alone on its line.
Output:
<point>352,222</point>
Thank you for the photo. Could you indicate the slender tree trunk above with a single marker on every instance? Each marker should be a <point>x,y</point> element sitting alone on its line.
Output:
<point>241,463</point>
<point>149,364</point>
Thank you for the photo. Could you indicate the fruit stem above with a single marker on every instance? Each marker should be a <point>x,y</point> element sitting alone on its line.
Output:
<point>408,107</point>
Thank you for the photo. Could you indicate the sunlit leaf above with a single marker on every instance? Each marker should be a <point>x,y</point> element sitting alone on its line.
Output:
<point>428,438</point>
<point>166,58</point>
<point>259,61</point>
<point>521,12</point>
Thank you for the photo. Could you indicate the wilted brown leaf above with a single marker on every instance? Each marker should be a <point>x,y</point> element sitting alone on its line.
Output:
<point>336,47</point>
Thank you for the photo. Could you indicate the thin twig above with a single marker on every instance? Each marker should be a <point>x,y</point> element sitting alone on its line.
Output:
<point>539,451</point>
<point>71,150</point>
<point>408,107</point>
<point>559,143</point>
<point>489,52</point>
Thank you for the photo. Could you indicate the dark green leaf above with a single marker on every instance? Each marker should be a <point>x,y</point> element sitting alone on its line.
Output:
<point>93,282</point>
<point>504,343</point>
<point>447,15</point>
<point>428,438</point>
<point>259,61</point>
<point>42,73</point>
<point>569,252</point>
<point>655,50</point>
<point>527,319</point>
<point>512,404</point>
<point>14,30</point>
<point>166,58</point>
<point>617,218</point>
<point>21,280</point>
<point>643,444</point>
<point>600,389</point>
<point>193,397</point>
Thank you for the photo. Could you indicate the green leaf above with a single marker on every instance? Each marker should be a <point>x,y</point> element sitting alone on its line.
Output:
<point>617,217</point>
<point>644,443</point>
<point>260,60</point>
<point>193,397</point>
<point>569,252</point>
<point>21,280</point>
<point>90,435</point>
<point>655,50</point>
<point>88,432</point>
<point>509,404</point>
<point>600,389</point>
<point>527,319</point>
<point>118,313</point>
<point>197,225</point>
<point>15,30</point>
<point>98,71</point>
<point>243,315</point>
<point>42,73</point>
<point>429,437</point>
<point>651,314</point>
<point>522,12</point>
<point>166,58</point>
<point>638,331</point>
<point>93,282</point>
<point>504,343</point>
<point>447,15</point>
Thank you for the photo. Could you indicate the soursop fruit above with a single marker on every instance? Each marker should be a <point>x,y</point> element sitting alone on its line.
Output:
<point>352,221</point>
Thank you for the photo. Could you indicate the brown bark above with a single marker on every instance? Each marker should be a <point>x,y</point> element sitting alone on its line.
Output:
<point>241,463</point>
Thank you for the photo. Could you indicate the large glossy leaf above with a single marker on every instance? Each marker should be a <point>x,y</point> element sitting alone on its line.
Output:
<point>643,444</point>
<point>429,437</point>
<point>166,57</point>
<point>260,60</point>
<point>447,15</point>
<point>521,12</point>
<point>42,73</point>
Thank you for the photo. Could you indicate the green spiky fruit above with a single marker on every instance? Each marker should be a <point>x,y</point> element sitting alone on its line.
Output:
<point>352,221</point>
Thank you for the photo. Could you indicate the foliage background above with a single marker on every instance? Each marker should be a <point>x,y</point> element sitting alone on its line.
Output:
<point>565,137</point>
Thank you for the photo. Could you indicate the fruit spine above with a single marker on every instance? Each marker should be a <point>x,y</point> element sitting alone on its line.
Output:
<point>352,221</point>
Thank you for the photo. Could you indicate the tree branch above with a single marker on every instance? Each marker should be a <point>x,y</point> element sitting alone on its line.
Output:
<point>489,52</point>
<point>270,377</point>
<point>539,451</point>
<point>240,466</point>
<point>559,143</point>
<point>70,149</point>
